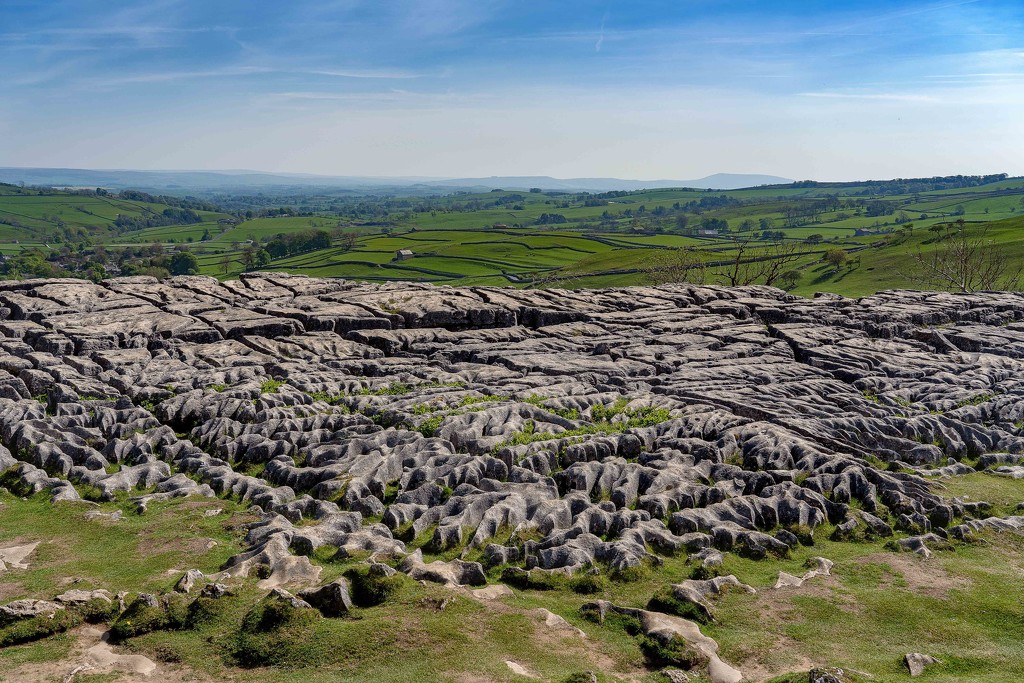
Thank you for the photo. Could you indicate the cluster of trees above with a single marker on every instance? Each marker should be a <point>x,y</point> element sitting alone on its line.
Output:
<point>550,219</point>
<point>513,200</point>
<point>98,262</point>
<point>169,216</point>
<point>175,202</point>
<point>879,208</point>
<point>31,263</point>
<point>908,185</point>
<point>287,244</point>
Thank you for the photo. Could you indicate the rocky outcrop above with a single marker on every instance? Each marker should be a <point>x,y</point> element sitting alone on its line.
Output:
<point>554,431</point>
<point>665,629</point>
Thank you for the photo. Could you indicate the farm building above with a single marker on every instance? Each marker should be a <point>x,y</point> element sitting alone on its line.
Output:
<point>403,254</point>
<point>500,226</point>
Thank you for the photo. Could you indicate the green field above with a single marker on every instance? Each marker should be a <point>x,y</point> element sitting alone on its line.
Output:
<point>548,238</point>
<point>963,605</point>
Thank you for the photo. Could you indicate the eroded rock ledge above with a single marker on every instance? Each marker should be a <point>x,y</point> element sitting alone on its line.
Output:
<point>582,429</point>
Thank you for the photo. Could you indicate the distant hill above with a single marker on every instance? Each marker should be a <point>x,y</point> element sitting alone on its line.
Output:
<point>718,181</point>
<point>235,181</point>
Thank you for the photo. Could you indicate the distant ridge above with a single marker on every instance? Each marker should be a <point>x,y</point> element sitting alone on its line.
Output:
<point>240,180</point>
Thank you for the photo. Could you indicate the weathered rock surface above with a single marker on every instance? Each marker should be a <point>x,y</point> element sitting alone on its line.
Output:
<point>332,599</point>
<point>27,609</point>
<point>664,628</point>
<point>917,662</point>
<point>584,429</point>
<point>701,593</point>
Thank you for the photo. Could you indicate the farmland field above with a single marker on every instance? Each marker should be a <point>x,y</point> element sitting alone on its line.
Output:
<point>544,238</point>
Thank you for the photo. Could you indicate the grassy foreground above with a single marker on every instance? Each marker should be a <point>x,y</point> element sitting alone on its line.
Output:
<point>964,606</point>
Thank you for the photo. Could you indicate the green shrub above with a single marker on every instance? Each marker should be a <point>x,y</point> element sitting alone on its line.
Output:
<point>27,630</point>
<point>176,606</point>
<point>675,652</point>
<point>629,574</point>
<point>10,480</point>
<point>703,572</point>
<point>370,589</point>
<point>139,618</point>
<point>588,583</point>
<point>579,677</point>
<point>271,386</point>
<point>615,621</point>
<point>205,610</point>
<point>429,427</point>
<point>531,580</point>
<point>98,610</point>
<point>274,632</point>
<point>803,533</point>
<point>665,600</point>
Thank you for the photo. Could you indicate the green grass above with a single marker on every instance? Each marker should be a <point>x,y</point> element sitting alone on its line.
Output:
<point>462,246</point>
<point>965,607</point>
<point>169,535</point>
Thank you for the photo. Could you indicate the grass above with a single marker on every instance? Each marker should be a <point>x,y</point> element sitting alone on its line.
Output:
<point>271,386</point>
<point>169,535</point>
<point>463,247</point>
<point>964,607</point>
<point>1002,492</point>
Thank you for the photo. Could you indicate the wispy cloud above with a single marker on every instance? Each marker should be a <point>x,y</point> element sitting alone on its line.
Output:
<point>600,34</point>
<point>889,97</point>
<point>169,76</point>
<point>244,72</point>
<point>359,73</point>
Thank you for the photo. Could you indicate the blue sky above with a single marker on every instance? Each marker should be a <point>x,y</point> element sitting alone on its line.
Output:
<point>640,89</point>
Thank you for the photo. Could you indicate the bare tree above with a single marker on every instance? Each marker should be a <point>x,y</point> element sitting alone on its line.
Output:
<point>677,265</point>
<point>751,263</point>
<point>776,261</point>
<point>348,240</point>
<point>962,260</point>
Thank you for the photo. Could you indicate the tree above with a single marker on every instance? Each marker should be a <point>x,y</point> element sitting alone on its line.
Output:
<point>225,264</point>
<point>836,257</point>
<point>790,278</point>
<point>184,263</point>
<point>677,265</point>
<point>262,259</point>
<point>751,263</point>
<point>96,272</point>
<point>348,240</point>
<point>965,260</point>
<point>814,239</point>
<point>248,256</point>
